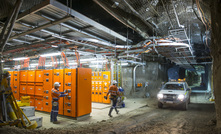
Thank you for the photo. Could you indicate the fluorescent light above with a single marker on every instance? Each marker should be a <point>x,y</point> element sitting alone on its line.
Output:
<point>2,61</point>
<point>97,66</point>
<point>100,61</point>
<point>21,41</point>
<point>34,64</point>
<point>124,64</point>
<point>6,68</point>
<point>50,54</point>
<point>72,63</point>
<point>91,59</point>
<point>34,37</point>
<point>54,46</point>
<point>21,58</point>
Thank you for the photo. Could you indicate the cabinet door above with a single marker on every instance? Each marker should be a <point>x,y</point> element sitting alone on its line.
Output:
<point>30,89</point>
<point>23,76</point>
<point>39,90</point>
<point>23,89</point>
<point>31,76</point>
<point>39,76</point>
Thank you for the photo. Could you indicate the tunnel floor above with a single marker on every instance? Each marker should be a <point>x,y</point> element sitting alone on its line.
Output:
<point>143,118</point>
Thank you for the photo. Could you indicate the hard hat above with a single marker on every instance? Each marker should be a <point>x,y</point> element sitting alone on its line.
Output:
<point>114,82</point>
<point>5,72</point>
<point>120,89</point>
<point>57,84</point>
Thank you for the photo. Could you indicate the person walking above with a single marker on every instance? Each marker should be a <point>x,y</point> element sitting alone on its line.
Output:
<point>114,93</point>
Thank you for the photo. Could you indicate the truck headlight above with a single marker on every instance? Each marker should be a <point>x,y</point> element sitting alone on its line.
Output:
<point>160,96</point>
<point>181,97</point>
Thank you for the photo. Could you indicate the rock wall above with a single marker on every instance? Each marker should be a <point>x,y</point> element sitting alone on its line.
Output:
<point>153,73</point>
<point>216,54</point>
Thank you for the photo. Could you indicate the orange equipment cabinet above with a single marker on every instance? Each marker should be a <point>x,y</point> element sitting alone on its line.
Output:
<point>31,76</point>
<point>39,103</point>
<point>100,75</point>
<point>23,76</point>
<point>59,77</point>
<point>106,85</point>
<point>95,75</point>
<point>83,91</point>
<point>47,87</point>
<point>100,92</point>
<point>32,100</point>
<point>92,91</point>
<point>70,86</point>
<point>11,79</point>
<point>15,88</point>
<point>96,92</point>
<point>106,75</point>
<point>23,88</point>
<point>30,89</point>
<point>39,90</point>
<point>39,76</point>
<point>92,78</point>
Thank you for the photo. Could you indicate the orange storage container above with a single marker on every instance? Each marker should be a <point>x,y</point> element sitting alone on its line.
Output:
<point>83,90</point>
<point>23,89</point>
<point>59,77</point>
<point>39,90</point>
<point>23,76</point>
<point>39,103</point>
<point>30,89</point>
<point>31,76</point>
<point>39,76</point>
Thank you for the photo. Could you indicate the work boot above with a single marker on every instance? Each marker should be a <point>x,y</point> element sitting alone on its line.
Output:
<point>111,109</point>
<point>56,122</point>
<point>117,111</point>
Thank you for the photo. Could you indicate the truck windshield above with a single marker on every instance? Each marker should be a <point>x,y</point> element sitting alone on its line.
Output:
<point>174,86</point>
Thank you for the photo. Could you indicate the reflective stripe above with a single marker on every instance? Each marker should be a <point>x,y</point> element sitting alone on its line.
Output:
<point>55,92</point>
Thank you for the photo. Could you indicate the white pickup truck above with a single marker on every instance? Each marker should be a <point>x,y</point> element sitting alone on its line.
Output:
<point>176,93</point>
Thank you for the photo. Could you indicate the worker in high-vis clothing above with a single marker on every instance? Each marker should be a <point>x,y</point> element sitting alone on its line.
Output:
<point>55,99</point>
<point>114,93</point>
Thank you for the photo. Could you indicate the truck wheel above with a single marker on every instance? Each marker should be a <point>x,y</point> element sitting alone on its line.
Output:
<point>185,106</point>
<point>160,105</point>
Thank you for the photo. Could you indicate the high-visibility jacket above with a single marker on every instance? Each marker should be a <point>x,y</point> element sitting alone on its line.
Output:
<point>55,94</point>
<point>113,90</point>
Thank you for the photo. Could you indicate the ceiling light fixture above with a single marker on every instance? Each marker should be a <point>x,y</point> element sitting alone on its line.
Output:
<point>50,54</point>
<point>20,58</point>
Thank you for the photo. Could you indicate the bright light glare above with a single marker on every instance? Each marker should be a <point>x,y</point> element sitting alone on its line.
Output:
<point>160,96</point>
<point>6,68</point>
<point>21,58</point>
<point>50,54</point>
<point>100,61</point>
<point>181,97</point>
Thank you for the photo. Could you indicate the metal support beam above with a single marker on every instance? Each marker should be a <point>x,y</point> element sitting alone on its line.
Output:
<point>42,27</point>
<point>6,31</point>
